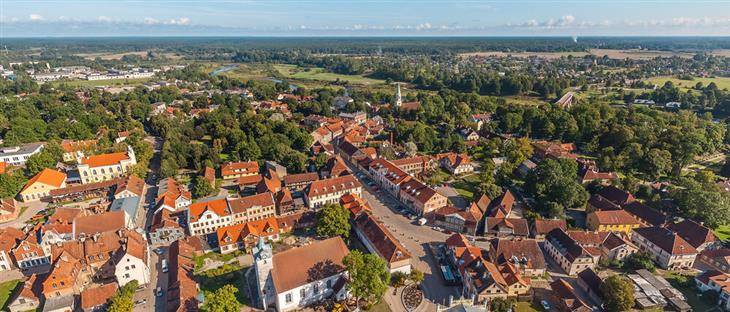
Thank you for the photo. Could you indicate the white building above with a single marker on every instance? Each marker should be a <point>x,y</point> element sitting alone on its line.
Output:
<point>668,249</point>
<point>18,155</point>
<point>288,287</point>
<point>329,191</point>
<point>106,167</point>
<point>133,264</point>
<point>208,215</point>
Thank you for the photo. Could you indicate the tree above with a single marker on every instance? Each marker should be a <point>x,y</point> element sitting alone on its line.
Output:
<point>617,293</point>
<point>640,260</point>
<point>333,220</point>
<point>11,183</point>
<point>202,187</point>
<point>123,300</point>
<point>369,276</point>
<point>398,279</point>
<point>36,163</point>
<point>222,300</point>
<point>416,276</point>
<point>500,305</point>
<point>553,183</point>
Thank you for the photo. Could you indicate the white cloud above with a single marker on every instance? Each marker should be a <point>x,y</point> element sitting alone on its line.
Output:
<point>179,21</point>
<point>563,21</point>
<point>104,19</point>
<point>35,17</point>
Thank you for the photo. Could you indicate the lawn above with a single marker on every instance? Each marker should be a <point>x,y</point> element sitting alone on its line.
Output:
<point>721,82</point>
<point>212,280</point>
<point>467,186</point>
<point>381,306</point>
<point>6,290</point>
<point>525,307</point>
<point>723,232</point>
<point>296,72</point>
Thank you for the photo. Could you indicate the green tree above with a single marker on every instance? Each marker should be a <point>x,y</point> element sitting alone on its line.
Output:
<point>369,276</point>
<point>333,220</point>
<point>36,163</point>
<point>202,187</point>
<point>500,305</point>
<point>123,300</point>
<point>398,279</point>
<point>553,182</point>
<point>11,184</point>
<point>222,300</point>
<point>416,276</point>
<point>640,260</point>
<point>617,293</point>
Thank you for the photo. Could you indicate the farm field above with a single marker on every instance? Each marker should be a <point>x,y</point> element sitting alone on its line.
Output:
<point>721,82</point>
<point>295,72</point>
<point>6,290</point>
<point>634,54</point>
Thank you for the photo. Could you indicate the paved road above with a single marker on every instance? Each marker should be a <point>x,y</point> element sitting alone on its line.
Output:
<point>415,238</point>
<point>33,208</point>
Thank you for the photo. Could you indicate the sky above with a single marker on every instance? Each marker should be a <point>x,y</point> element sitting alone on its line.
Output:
<point>54,18</point>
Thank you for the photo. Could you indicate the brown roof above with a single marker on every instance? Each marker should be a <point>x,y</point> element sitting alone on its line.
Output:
<point>645,213</point>
<point>666,240</point>
<point>381,238</point>
<point>566,294</point>
<point>234,168</point>
<point>614,217</point>
<point>418,190</point>
<point>209,174</point>
<point>64,215</point>
<point>591,279</point>
<point>523,251</point>
<point>599,202</point>
<point>298,178</point>
<point>502,206</point>
<point>616,195</point>
<point>410,105</point>
<point>242,204</point>
<point>565,244</point>
<point>99,223</point>
<point>586,238</point>
<point>694,233</point>
<point>335,166</point>
<point>11,237</point>
<point>327,186</point>
<point>219,206</point>
<point>69,146</point>
<point>96,296</point>
<point>543,226</point>
<point>314,262</point>
<point>132,184</point>
<point>614,240</point>
<point>8,205</point>
<point>518,226</point>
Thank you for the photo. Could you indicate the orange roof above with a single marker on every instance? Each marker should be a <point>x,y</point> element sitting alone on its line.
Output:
<point>614,217</point>
<point>238,232</point>
<point>69,146</point>
<point>104,159</point>
<point>95,296</point>
<point>47,176</point>
<point>3,165</point>
<point>247,167</point>
<point>218,206</point>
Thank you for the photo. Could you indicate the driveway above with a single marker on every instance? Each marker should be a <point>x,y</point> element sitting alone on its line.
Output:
<point>453,196</point>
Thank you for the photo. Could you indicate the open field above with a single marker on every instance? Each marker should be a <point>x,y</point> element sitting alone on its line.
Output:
<point>244,72</point>
<point>110,82</point>
<point>6,290</point>
<point>295,72</point>
<point>723,232</point>
<point>721,82</point>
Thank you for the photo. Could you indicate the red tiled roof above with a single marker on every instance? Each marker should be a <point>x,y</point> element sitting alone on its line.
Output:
<point>219,206</point>
<point>104,159</point>
<point>327,186</point>
<point>96,296</point>
<point>694,233</point>
<point>315,261</point>
<point>381,239</point>
<point>99,223</point>
<point>666,240</point>
<point>614,217</point>
<point>234,168</point>
<point>242,204</point>
<point>70,146</point>
<point>543,226</point>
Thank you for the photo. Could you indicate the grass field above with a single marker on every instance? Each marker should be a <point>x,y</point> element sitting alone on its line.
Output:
<point>467,186</point>
<point>6,290</point>
<point>723,232</point>
<point>110,82</point>
<point>319,74</point>
<point>210,281</point>
<point>721,82</point>
<point>525,307</point>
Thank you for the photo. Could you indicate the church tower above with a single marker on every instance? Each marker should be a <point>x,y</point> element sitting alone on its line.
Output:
<point>398,100</point>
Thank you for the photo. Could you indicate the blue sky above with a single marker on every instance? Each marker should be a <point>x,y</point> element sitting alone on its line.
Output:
<point>363,17</point>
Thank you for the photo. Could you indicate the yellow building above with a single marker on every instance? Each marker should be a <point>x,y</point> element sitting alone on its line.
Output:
<point>42,184</point>
<point>612,221</point>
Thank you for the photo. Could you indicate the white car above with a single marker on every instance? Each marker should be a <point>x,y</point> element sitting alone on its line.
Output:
<point>158,291</point>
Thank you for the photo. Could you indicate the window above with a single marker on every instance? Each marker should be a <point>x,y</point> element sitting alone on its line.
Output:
<point>287,297</point>
<point>329,283</point>
<point>315,289</point>
<point>302,293</point>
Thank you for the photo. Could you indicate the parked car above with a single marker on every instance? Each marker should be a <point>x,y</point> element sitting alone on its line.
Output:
<point>159,251</point>
<point>158,291</point>
<point>141,301</point>
<point>164,266</point>
<point>545,305</point>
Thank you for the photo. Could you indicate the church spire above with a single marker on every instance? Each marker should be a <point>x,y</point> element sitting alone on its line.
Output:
<point>398,100</point>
